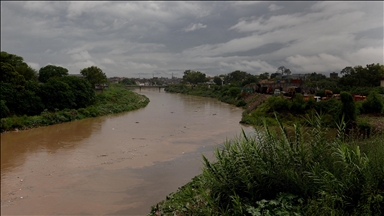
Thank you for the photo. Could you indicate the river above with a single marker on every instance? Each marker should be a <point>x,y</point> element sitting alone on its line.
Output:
<point>113,165</point>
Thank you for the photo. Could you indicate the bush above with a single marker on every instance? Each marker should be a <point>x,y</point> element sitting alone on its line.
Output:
<point>298,104</point>
<point>241,103</point>
<point>234,91</point>
<point>348,107</point>
<point>277,104</point>
<point>373,104</point>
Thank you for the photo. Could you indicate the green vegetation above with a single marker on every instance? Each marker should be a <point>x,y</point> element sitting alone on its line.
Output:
<point>304,169</point>
<point>270,173</point>
<point>359,76</point>
<point>296,110</point>
<point>193,77</point>
<point>49,71</point>
<point>227,93</point>
<point>25,102</point>
<point>115,99</point>
<point>94,75</point>
<point>18,64</point>
<point>127,81</point>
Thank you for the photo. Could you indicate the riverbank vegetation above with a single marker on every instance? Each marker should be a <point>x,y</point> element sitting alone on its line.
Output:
<point>114,99</point>
<point>238,88</point>
<point>274,173</point>
<point>295,163</point>
<point>32,99</point>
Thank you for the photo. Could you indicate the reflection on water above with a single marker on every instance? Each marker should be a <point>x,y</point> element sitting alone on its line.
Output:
<point>117,164</point>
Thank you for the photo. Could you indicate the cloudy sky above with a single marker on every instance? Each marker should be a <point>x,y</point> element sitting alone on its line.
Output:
<point>145,39</point>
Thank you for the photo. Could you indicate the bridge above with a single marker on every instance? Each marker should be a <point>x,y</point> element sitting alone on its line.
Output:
<point>153,86</point>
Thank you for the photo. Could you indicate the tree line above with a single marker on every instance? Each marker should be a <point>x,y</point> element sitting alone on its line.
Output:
<point>24,91</point>
<point>352,77</point>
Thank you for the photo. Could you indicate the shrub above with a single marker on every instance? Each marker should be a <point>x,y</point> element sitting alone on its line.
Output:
<point>373,104</point>
<point>348,107</point>
<point>234,91</point>
<point>277,104</point>
<point>298,104</point>
<point>241,103</point>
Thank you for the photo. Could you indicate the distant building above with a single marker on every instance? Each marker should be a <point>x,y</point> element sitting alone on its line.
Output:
<point>382,82</point>
<point>334,75</point>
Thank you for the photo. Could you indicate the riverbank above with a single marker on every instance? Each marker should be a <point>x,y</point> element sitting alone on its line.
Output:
<point>115,99</point>
<point>287,173</point>
<point>271,174</point>
<point>229,94</point>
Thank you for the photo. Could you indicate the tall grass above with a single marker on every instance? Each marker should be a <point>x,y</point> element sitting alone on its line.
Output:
<point>301,173</point>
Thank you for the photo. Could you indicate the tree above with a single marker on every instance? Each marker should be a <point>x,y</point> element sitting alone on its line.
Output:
<point>8,74</point>
<point>127,81</point>
<point>81,89</point>
<point>249,79</point>
<point>194,77</point>
<point>283,70</point>
<point>316,76</point>
<point>217,80</point>
<point>4,111</point>
<point>57,94</point>
<point>94,75</point>
<point>11,59</point>
<point>240,78</point>
<point>359,76</point>
<point>20,66</point>
<point>264,76</point>
<point>22,101</point>
<point>27,72</point>
<point>50,71</point>
<point>274,75</point>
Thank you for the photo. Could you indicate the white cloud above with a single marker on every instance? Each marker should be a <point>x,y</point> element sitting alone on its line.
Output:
<point>134,65</point>
<point>262,25</point>
<point>366,55</point>
<point>141,37</point>
<point>34,65</point>
<point>319,63</point>
<point>274,7</point>
<point>77,8</point>
<point>83,55</point>
<point>193,27</point>
<point>255,67</point>
<point>77,66</point>
<point>108,61</point>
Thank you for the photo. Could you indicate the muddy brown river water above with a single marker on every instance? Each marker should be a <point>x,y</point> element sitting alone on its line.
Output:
<point>113,165</point>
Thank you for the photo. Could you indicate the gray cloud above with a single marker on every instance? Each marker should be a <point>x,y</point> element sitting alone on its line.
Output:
<point>145,38</point>
<point>194,27</point>
<point>274,7</point>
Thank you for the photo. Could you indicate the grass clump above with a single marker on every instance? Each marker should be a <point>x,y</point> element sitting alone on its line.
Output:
<point>281,173</point>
